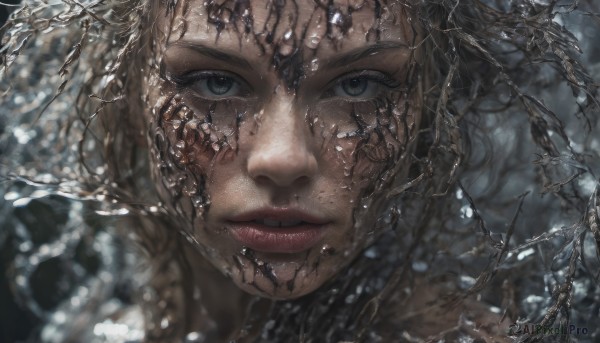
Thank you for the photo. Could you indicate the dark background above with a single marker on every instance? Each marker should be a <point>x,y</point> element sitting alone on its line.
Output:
<point>16,323</point>
<point>6,10</point>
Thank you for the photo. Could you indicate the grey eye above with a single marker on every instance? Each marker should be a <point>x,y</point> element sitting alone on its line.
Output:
<point>212,84</point>
<point>354,87</point>
<point>365,85</point>
<point>219,85</point>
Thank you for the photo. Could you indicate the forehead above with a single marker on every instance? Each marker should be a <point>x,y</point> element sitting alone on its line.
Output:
<point>288,26</point>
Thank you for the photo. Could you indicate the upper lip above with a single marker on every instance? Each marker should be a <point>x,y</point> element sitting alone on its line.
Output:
<point>279,214</point>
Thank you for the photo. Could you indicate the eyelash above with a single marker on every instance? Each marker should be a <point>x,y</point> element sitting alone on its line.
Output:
<point>381,79</point>
<point>187,82</point>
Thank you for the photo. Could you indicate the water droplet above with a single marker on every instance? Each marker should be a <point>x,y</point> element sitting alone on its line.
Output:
<point>270,324</point>
<point>350,299</point>
<point>356,4</point>
<point>523,254</point>
<point>312,42</point>
<point>327,250</point>
<point>21,280</point>
<point>21,202</point>
<point>466,282</point>
<point>459,194</point>
<point>419,266</point>
<point>371,253</point>
<point>466,212</point>
<point>286,49</point>
<point>25,246</point>
<point>336,18</point>
<point>314,64</point>
<point>164,323</point>
<point>194,337</point>
<point>11,196</point>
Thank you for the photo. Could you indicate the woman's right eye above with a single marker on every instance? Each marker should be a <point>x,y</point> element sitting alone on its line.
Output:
<point>211,85</point>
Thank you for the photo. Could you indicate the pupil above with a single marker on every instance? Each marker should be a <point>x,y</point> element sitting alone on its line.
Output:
<point>355,86</point>
<point>219,85</point>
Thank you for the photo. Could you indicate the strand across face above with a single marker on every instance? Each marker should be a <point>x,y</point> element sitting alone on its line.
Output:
<point>276,128</point>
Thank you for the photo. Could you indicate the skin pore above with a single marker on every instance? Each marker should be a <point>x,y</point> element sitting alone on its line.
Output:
<point>275,130</point>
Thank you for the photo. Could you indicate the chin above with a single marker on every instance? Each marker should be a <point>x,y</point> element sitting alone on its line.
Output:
<point>278,280</point>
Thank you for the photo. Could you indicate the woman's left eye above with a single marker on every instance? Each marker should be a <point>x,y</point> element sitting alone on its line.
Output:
<point>353,87</point>
<point>360,86</point>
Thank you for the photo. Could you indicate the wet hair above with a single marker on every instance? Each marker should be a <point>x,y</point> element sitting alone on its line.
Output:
<point>502,82</point>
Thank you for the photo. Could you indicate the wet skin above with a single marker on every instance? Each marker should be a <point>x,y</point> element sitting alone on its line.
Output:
<point>276,139</point>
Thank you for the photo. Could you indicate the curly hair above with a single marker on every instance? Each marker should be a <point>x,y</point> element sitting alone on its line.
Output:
<point>496,78</point>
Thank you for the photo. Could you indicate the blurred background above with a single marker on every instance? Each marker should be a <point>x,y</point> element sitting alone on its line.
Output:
<point>6,7</point>
<point>16,323</point>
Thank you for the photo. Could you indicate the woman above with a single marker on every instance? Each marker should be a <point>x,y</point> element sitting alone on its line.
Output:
<point>305,170</point>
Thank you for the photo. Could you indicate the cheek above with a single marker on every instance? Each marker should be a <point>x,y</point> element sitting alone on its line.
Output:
<point>182,151</point>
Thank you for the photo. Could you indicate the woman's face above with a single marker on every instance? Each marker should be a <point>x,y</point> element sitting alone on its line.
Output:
<point>276,130</point>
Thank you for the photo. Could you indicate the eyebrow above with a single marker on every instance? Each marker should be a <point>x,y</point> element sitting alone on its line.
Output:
<point>360,53</point>
<point>213,53</point>
<point>340,61</point>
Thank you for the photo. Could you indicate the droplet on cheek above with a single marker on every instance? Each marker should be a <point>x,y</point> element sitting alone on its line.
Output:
<point>327,250</point>
<point>286,47</point>
<point>356,4</point>
<point>313,41</point>
<point>314,65</point>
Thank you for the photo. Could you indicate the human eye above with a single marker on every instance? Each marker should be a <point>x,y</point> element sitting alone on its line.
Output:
<point>212,85</point>
<point>361,85</point>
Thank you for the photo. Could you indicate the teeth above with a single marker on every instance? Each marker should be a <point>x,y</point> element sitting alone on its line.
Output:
<point>275,223</point>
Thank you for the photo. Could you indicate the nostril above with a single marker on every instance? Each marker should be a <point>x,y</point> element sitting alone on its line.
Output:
<point>282,169</point>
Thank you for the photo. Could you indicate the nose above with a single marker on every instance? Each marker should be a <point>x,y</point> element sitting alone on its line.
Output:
<point>282,152</point>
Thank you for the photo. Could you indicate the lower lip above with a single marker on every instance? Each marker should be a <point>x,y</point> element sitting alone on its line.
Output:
<point>289,240</point>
